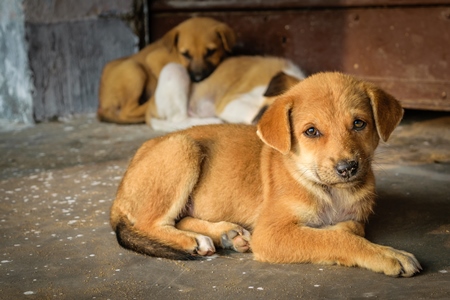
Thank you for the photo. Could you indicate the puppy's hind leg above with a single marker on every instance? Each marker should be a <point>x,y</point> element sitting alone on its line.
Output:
<point>152,196</point>
<point>225,235</point>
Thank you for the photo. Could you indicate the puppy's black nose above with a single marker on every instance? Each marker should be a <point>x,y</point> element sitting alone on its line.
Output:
<point>197,77</point>
<point>347,169</point>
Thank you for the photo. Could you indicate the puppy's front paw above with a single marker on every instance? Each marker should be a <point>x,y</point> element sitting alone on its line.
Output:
<point>236,239</point>
<point>398,263</point>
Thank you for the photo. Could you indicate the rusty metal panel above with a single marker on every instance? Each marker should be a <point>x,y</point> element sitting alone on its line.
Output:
<point>404,49</point>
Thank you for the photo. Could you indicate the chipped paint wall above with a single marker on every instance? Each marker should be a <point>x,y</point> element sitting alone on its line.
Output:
<point>52,53</point>
<point>15,77</point>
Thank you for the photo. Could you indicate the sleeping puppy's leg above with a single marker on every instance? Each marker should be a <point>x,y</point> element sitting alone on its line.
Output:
<point>225,235</point>
<point>171,101</point>
<point>172,93</point>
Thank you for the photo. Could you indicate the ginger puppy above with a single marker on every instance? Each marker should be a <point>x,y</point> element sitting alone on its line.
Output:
<point>302,186</point>
<point>128,84</point>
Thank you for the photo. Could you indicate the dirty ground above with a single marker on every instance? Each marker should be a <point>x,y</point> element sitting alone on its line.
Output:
<point>58,180</point>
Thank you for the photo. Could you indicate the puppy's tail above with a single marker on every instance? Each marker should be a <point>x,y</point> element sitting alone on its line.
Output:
<point>129,238</point>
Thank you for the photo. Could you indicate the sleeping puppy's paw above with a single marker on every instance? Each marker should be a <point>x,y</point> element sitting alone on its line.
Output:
<point>236,239</point>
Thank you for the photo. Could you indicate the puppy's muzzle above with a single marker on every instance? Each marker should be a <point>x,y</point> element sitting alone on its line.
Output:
<point>198,71</point>
<point>347,168</point>
<point>199,75</point>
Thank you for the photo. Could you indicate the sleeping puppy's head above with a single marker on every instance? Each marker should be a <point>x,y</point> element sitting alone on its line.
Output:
<point>201,43</point>
<point>330,125</point>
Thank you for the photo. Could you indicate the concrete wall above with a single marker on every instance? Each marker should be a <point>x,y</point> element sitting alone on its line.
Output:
<point>15,76</point>
<point>52,53</point>
<point>69,43</point>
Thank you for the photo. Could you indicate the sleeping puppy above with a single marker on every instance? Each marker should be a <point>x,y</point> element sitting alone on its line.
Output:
<point>128,84</point>
<point>296,188</point>
<point>235,92</point>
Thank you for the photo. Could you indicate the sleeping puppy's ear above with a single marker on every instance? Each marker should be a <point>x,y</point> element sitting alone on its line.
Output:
<point>387,111</point>
<point>227,36</point>
<point>274,128</point>
<point>170,39</point>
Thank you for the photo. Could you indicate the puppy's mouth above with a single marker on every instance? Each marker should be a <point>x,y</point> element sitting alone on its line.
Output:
<point>345,184</point>
<point>349,183</point>
<point>338,181</point>
<point>348,175</point>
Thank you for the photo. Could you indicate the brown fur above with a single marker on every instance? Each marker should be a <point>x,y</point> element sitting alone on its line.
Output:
<point>237,76</point>
<point>128,84</point>
<point>210,186</point>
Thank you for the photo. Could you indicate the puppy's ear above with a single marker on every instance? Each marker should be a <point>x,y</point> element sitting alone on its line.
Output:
<point>387,111</point>
<point>170,39</point>
<point>227,36</point>
<point>274,128</point>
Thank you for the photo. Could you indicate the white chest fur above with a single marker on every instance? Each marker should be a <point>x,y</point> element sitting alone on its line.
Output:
<point>336,205</point>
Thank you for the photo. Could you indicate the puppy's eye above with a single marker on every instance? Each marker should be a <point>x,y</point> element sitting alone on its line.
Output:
<point>210,52</point>
<point>312,132</point>
<point>186,54</point>
<point>359,125</point>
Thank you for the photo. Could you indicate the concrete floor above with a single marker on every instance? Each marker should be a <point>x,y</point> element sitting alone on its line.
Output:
<point>58,180</point>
